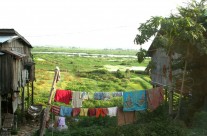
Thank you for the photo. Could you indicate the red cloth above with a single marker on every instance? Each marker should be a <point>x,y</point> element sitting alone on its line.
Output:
<point>76,111</point>
<point>92,112</point>
<point>55,109</point>
<point>155,97</point>
<point>101,112</point>
<point>63,96</point>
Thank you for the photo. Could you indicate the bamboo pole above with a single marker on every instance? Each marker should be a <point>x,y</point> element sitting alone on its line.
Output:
<point>45,116</point>
<point>57,72</point>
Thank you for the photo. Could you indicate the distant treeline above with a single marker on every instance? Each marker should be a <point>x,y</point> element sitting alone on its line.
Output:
<point>117,51</point>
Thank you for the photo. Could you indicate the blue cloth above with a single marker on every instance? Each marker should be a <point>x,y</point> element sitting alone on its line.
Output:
<point>98,96</point>
<point>65,111</point>
<point>135,101</point>
<point>106,95</point>
<point>117,94</point>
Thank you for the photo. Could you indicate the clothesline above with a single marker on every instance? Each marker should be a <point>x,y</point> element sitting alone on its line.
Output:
<point>132,101</point>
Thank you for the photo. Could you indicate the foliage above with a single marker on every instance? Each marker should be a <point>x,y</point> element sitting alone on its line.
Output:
<point>183,33</point>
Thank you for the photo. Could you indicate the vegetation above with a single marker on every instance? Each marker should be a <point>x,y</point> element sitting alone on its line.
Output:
<point>183,33</point>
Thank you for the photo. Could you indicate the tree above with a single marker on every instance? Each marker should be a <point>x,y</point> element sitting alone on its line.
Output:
<point>183,33</point>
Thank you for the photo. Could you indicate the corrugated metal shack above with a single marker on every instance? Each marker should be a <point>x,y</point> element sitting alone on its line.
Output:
<point>17,72</point>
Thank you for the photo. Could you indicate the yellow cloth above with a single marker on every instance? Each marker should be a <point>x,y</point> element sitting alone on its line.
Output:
<point>84,112</point>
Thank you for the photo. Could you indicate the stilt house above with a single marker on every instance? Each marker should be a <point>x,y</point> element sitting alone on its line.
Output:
<point>17,72</point>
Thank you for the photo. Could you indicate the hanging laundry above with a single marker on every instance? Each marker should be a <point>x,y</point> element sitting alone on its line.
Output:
<point>61,121</point>
<point>117,94</point>
<point>92,112</point>
<point>155,97</point>
<point>101,112</point>
<point>106,96</point>
<point>112,111</point>
<point>63,96</point>
<point>84,112</point>
<point>124,118</point>
<point>98,96</point>
<point>134,101</point>
<point>84,96</point>
<point>55,109</point>
<point>76,100</point>
<point>76,111</point>
<point>65,111</point>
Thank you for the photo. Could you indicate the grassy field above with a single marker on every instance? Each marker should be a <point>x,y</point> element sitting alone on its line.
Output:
<point>88,74</point>
<point>107,74</point>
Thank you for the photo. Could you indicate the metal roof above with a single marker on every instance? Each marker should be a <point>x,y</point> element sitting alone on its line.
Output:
<point>14,53</point>
<point>6,33</point>
<point>6,38</point>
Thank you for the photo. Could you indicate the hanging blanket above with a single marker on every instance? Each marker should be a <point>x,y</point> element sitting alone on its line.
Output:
<point>155,97</point>
<point>134,101</point>
<point>63,96</point>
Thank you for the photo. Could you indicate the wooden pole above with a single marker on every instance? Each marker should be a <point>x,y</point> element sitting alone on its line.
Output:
<point>23,104</point>
<point>32,93</point>
<point>57,72</point>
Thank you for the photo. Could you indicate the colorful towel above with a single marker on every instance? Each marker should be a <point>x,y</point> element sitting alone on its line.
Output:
<point>65,111</point>
<point>155,97</point>
<point>63,96</point>
<point>134,101</point>
<point>55,109</point>
<point>61,121</point>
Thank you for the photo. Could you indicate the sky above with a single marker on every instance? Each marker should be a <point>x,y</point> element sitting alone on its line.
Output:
<point>104,24</point>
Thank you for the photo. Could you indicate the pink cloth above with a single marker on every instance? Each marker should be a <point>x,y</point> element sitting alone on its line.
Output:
<point>63,96</point>
<point>155,97</point>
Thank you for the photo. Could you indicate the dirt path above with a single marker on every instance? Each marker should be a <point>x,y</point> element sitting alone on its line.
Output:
<point>28,129</point>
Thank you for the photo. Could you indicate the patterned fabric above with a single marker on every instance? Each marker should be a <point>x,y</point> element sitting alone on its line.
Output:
<point>55,109</point>
<point>63,96</point>
<point>84,95</point>
<point>65,111</point>
<point>98,96</point>
<point>106,96</point>
<point>134,101</point>
<point>117,94</point>
<point>155,97</point>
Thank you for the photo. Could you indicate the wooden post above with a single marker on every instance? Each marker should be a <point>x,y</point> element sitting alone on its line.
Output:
<point>22,104</point>
<point>28,96</point>
<point>44,118</point>
<point>0,113</point>
<point>32,93</point>
<point>57,72</point>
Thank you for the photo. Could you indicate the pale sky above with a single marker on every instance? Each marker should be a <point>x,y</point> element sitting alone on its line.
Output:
<point>82,23</point>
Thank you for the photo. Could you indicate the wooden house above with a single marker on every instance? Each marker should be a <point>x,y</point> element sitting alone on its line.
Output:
<point>17,72</point>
